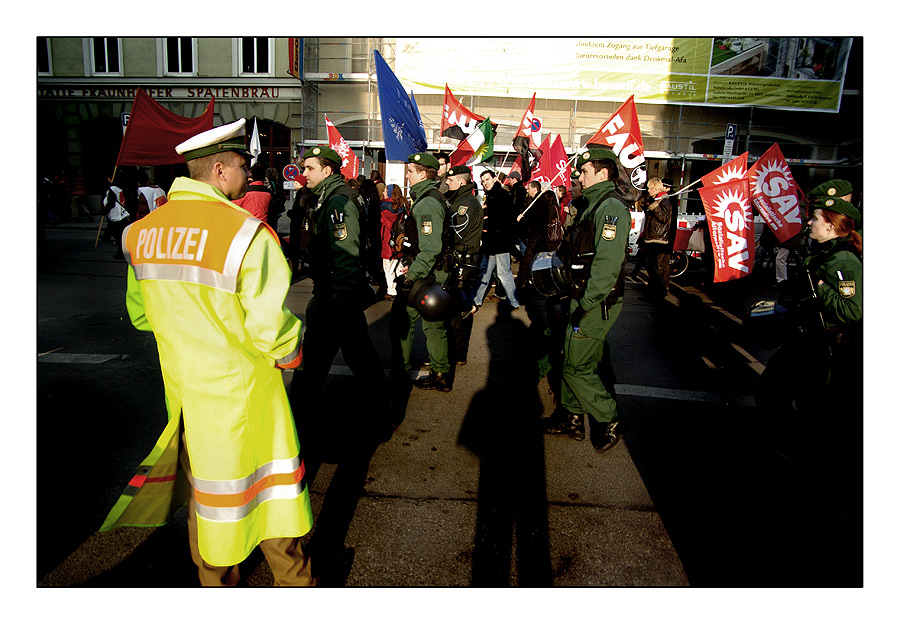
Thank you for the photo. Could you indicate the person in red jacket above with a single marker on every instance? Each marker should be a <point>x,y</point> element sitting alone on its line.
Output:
<point>393,205</point>
<point>258,196</point>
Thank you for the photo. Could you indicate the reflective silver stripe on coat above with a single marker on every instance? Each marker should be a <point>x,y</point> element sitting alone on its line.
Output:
<point>236,486</point>
<point>233,514</point>
<point>290,357</point>
<point>122,244</point>
<point>227,280</point>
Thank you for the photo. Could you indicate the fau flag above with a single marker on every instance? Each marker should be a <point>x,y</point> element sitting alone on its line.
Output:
<point>733,170</point>
<point>349,160</point>
<point>400,121</point>
<point>525,142</point>
<point>457,121</point>
<point>774,194</point>
<point>479,147</point>
<point>730,220</point>
<point>622,134</point>
<point>153,132</point>
<point>553,167</point>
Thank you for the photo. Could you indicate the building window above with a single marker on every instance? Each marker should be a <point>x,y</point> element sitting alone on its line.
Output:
<point>180,55</point>
<point>43,56</point>
<point>105,55</point>
<point>256,55</point>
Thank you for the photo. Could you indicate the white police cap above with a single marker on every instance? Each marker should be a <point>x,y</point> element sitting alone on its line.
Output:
<point>215,140</point>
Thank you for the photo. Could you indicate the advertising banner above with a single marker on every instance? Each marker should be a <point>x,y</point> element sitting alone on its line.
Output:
<point>797,73</point>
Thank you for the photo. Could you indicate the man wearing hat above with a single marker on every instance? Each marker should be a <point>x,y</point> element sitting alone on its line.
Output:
<point>428,212</point>
<point>210,281</point>
<point>335,316</point>
<point>466,221</point>
<point>587,378</point>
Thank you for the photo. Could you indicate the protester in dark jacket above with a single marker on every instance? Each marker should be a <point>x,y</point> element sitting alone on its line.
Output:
<point>498,238</point>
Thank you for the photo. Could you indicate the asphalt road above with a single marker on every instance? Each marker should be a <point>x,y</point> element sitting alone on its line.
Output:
<point>467,492</point>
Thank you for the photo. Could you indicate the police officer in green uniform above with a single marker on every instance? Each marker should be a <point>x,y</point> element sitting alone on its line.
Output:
<point>596,257</point>
<point>812,386</point>
<point>466,221</point>
<point>335,317</point>
<point>426,261</point>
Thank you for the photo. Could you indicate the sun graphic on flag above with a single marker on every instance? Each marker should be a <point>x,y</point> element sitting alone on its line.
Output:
<point>481,151</point>
<point>729,201</point>
<point>762,174</point>
<point>731,172</point>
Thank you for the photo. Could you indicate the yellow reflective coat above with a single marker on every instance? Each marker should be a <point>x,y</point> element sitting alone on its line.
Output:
<point>209,280</point>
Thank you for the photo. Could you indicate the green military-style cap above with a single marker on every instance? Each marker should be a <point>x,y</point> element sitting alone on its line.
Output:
<point>840,206</point>
<point>320,151</point>
<point>595,153</point>
<point>458,169</point>
<point>425,159</point>
<point>832,188</point>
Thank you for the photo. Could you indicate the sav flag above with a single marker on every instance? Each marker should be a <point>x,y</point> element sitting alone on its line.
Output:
<point>401,124</point>
<point>732,170</point>
<point>349,160</point>
<point>730,220</point>
<point>255,148</point>
<point>479,147</point>
<point>622,134</point>
<point>553,168</point>
<point>153,132</point>
<point>774,194</point>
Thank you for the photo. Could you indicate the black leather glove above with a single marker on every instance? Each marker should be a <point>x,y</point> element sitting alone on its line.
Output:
<point>577,316</point>
<point>403,283</point>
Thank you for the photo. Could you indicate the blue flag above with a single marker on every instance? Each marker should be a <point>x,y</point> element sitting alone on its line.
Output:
<point>401,124</point>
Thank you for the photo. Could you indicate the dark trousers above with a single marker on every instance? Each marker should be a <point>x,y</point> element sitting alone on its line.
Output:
<point>657,263</point>
<point>331,327</point>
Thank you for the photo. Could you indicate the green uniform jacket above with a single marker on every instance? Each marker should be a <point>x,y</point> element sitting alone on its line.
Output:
<point>466,218</point>
<point>334,251</point>
<point>841,273</point>
<point>613,223</point>
<point>429,215</point>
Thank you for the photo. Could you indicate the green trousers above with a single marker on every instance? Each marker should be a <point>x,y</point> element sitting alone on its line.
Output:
<point>588,381</point>
<point>403,336</point>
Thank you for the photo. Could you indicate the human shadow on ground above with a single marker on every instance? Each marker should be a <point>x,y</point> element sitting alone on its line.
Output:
<point>501,427</point>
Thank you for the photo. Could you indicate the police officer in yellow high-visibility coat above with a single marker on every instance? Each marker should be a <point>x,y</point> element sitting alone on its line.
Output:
<point>209,280</point>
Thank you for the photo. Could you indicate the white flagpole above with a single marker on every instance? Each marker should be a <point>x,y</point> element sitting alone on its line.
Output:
<point>254,143</point>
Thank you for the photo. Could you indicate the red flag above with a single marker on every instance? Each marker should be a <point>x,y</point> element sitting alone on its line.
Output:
<point>733,170</point>
<point>553,167</point>
<point>153,132</point>
<point>730,220</point>
<point>774,194</point>
<point>349,160</point>
<point>622,134</point>
<point>529,131</point>
<point>457,121</point>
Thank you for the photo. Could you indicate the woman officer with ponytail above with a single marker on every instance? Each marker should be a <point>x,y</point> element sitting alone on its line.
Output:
<point>811,390</point>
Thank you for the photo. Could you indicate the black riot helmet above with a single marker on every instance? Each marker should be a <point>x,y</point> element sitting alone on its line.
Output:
<point>431,300</point>
<point>549,274</point>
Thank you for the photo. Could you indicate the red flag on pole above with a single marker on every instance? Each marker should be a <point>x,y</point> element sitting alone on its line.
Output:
<point>732,170</point>
<point>730,221</point>
<point>350,162</point>
<point>457,121</point>
<point>529,131</point>
<point>553,167</point>
<point>622,134</point>
<point>153,131</point>
<point>774,194</point>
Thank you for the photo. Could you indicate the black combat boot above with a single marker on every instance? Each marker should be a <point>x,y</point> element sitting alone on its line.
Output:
<point>435,381</point>
<point>571,425</point>
<point>604,436</point>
